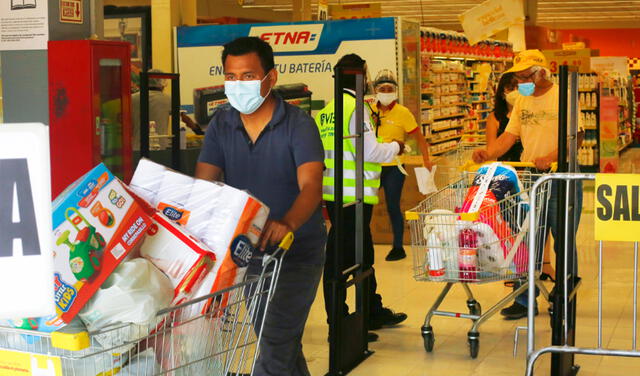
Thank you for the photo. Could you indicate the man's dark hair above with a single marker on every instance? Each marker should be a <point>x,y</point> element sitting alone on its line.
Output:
<point>350,61</point>
<point>247,45</point>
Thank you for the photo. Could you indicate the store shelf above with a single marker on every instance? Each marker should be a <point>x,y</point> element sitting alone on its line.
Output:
<point>448,83</point>
<point>445,139</point>
<point>454,93</point>
<point>445,105</point>
<point>482,101</point>
<point>448,116</point>
<point>483,110</point>
<point>589,109</point>
<point>447,71</point>
<point>427,92</point>
<point>590,128</point>
<point>587,90</point>
<point>478,92</point>
<point>622,147</point>
<point>444,151</point>
<point>447,128</point>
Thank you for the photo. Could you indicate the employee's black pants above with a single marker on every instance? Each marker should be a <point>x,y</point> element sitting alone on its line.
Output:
<point>348,256</point>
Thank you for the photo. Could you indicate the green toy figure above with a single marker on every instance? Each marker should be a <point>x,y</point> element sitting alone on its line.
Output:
<point>84,254</point>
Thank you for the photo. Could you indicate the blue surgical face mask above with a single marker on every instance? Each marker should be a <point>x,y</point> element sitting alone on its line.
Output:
<point>245,96</point>
<point>526,88</point>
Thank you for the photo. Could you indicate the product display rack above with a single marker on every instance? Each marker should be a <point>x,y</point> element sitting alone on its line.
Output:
<point>622,88</point>
<point>452,105</point>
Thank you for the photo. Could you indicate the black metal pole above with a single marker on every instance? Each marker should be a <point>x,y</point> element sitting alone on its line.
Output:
<point>144,114</point>
<point>562,364</point>
<point>175,122</point>
<point>335,321</point>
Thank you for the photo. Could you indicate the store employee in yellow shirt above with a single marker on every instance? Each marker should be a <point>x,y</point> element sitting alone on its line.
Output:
<point>394,122</point>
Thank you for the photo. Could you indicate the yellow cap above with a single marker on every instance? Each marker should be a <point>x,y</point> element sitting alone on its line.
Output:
<point>526,59</point>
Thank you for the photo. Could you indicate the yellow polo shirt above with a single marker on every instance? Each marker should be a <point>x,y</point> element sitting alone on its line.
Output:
<point>394,124</point>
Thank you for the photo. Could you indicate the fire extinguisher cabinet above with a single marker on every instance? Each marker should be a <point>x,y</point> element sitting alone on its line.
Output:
<point>89,109</point>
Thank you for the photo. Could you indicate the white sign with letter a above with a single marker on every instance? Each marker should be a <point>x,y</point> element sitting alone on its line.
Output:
<point>26,261</point>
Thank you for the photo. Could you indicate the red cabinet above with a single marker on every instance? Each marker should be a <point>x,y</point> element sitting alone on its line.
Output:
<point>89,109</point>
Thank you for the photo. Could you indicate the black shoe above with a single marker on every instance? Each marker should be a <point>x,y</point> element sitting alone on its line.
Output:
<point>371,337</point>
<point>515,312</point>
<point>396,254</point>
<point>386,318</point>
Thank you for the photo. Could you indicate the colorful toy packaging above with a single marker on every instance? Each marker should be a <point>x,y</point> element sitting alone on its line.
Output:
<point>96,223</point>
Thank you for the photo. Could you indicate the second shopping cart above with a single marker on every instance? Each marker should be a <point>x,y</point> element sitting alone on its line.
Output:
<point>474,231</point>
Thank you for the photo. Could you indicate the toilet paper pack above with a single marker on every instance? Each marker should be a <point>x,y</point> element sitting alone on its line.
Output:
<point>228,220</point>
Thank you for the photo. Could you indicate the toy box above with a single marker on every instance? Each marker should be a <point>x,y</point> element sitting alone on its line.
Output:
<point>96,223</point>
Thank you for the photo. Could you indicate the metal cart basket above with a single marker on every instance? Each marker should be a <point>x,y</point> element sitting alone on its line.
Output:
<point>488,245</point>
<point>180,340</point>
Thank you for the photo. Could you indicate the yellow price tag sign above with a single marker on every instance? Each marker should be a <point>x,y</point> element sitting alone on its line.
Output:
<point>617,207</point>
<point>14,363</point>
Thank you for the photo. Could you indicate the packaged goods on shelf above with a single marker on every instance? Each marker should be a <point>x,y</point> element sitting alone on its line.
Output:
<point>96,223</point>
<point>229,221</point>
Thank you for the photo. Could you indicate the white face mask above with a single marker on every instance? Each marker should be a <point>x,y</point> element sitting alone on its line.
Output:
<point>245,96</point>
<point>511,97</point>
<point>386,98</point>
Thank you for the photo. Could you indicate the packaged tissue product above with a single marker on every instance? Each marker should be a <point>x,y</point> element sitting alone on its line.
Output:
<point>228,220</point>
<point>179,255</point>
<point>96,223</point>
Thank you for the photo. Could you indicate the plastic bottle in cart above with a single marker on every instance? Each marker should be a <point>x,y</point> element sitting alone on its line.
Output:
<point>468,255</point>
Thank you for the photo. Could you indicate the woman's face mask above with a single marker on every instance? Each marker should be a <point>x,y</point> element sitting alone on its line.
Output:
<point>511,97</point>
<point>245,96</point>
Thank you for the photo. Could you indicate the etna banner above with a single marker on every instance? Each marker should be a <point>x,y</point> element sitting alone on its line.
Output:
<point>305,53</point>
<point>26,261</point>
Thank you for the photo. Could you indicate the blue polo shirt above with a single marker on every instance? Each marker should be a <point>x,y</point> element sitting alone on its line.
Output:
<point>268,168</point>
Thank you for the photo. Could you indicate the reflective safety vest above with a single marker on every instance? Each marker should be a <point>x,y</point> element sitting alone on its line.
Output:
<point>325,120</point>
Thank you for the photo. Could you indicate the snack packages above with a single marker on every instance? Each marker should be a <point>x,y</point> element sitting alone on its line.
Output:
<point>96,223</point>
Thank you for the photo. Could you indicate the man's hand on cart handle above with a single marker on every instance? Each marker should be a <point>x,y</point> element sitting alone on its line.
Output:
<point>480,155</point>
<point>544,163</point>
<point>274,232</point>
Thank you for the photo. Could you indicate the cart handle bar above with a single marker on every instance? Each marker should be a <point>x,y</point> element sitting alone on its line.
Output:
<point>472,166</point>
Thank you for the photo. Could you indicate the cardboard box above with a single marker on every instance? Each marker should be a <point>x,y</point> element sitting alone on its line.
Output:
<point>96,223</point>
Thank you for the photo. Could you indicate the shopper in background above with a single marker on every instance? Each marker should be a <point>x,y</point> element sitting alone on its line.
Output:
<point>272,149</point>
<point>506,95</point>
<point>534,120</point>
<point>374,154</point>
<point>159,110</point>
<point>394,122</point>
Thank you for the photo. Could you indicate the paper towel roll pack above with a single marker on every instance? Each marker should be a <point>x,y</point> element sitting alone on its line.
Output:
<point>228,220</point>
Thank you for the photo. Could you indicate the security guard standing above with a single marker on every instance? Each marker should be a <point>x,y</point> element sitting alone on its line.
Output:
<point>374,154</point>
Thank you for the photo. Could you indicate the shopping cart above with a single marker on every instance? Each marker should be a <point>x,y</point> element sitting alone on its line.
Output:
<point>449,171</point>
<point>470,248</point>
<point>179,340</point>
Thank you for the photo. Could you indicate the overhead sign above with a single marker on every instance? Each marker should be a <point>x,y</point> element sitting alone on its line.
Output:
<point>24,25</point>
<point>618,64</point>
<point>491,17</point>
<point>71,11</point>
<point>355,10</point>
<point>26,261</point>
<point>617,207</point>
<point>577,58</point>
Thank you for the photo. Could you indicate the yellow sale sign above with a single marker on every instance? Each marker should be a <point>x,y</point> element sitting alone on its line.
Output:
<point>577,58</point>
<point>617,207</point>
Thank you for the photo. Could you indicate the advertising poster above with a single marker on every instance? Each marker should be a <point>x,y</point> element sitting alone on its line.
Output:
<point>23,25</point>
<point>609,156</point>
<point>305,53</point>
<point>491,17</point>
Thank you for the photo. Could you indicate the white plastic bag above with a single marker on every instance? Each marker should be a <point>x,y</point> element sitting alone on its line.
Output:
<point>134,293</point>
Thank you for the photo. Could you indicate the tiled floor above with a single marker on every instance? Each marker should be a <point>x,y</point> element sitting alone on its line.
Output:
<point>400,350</point>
